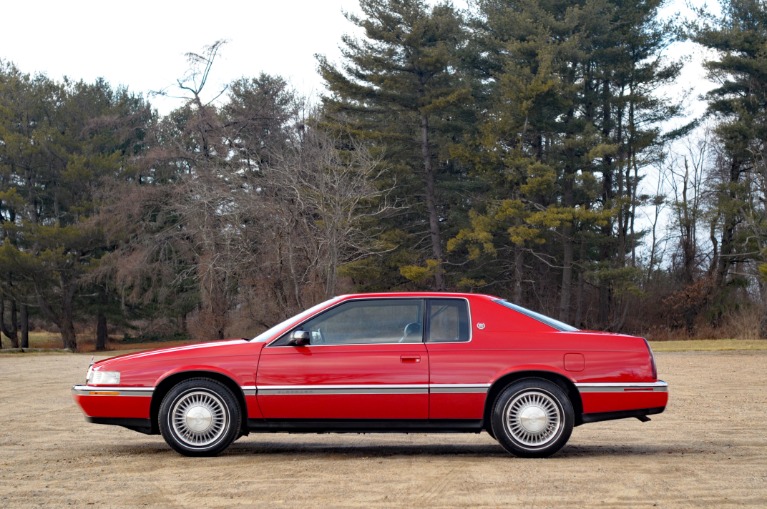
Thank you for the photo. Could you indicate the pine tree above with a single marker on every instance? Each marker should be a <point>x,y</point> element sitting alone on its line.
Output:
<point>399,88</point>
<point>573,122</point>
<point>60,142</point>
<point>739,105</point>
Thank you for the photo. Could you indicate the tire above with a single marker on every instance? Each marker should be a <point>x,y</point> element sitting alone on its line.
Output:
<point>199,417</point>
<point>532,418</point>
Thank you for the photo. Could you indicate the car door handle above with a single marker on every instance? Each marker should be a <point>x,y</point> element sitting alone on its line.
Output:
<point>410,358</point>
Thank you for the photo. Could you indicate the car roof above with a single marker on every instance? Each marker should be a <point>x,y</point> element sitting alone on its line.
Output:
<point>415,295</point>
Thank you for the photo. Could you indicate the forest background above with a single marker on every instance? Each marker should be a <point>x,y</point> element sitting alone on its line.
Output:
<point>520,148</point>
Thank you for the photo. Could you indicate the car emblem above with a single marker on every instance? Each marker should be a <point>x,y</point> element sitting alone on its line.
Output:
<point>480,326</point>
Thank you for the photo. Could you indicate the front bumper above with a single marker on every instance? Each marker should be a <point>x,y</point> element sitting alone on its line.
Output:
<point>114,402</point>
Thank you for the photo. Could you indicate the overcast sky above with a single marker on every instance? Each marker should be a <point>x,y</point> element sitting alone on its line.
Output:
<point>141,43</point>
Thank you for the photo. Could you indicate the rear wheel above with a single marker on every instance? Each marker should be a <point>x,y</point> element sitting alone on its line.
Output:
<point>199,417</point>
<point>532,418</point>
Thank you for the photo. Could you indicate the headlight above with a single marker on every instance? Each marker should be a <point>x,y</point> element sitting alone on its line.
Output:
<point>103,377</point>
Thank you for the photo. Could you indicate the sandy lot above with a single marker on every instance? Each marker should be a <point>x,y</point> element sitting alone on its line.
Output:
<point>709,449</point>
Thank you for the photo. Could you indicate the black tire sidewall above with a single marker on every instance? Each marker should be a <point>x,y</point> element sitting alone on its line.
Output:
<point>512,391</point>
<point>217,389</point>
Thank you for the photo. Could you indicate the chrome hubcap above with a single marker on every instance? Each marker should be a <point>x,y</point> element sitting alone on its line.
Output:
<point>199,418</point>
<point>533,418</point>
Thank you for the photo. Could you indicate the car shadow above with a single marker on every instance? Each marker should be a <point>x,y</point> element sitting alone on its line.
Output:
<point>623,450</point>
<point>357,448</point>
<point>361,449</point>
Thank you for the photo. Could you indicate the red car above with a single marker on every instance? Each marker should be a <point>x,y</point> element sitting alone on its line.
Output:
<point>399,362</point>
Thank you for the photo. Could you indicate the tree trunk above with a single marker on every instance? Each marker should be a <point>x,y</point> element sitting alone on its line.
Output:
<point>64,319</point>
<point>11,332</point>
<point>605,305</point>
<point>607,254</point>
<point>101,332</point>
<point>2,320</point>
<point>518,261</point>
<point>607,251</point>
<point>431,203</point>
<point>567,246</point>
<point>68,336</point>
<point>567,276</point>
<point>580,289</point>
<point>101,322</point>
<point>726,246</point>
<point>24,326</point>
<point>15,324</point>
<point>67,319</point>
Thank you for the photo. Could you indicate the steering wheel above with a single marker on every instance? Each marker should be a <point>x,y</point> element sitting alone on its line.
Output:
<point>320,337</point>
<point>411,330</point>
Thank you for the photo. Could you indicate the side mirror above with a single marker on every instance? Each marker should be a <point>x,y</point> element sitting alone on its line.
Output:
<point>299,338</point>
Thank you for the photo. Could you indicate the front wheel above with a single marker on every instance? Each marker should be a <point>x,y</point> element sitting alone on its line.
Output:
<point>199,417</point>
<point>532,418</point>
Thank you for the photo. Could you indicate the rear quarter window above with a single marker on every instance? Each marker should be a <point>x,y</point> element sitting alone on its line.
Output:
<point>554,324</point>
<point>448,320</point>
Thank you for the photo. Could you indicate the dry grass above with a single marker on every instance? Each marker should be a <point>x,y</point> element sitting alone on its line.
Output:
<point>43,340</point>
<point>709,345</point>
<point>40,339</point>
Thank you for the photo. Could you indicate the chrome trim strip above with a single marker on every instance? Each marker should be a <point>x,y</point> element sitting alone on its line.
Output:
<point>285,390</point>
<point>659,386</point>
<point>458,388</point>
<point>249,390</point>
<point>86,390</point>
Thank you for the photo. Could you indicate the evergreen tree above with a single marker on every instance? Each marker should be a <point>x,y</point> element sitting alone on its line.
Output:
<point>739,103</point>
<point>573,123</point>
<point>60,142</point>
<point>399,89</point>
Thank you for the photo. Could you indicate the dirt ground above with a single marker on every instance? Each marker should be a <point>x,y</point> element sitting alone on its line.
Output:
<point>709,449</point>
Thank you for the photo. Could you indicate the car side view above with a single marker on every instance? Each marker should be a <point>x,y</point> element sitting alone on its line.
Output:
<point>391,362</point>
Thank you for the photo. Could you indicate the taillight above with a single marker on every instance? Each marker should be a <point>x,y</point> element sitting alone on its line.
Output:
<point>652,360</point>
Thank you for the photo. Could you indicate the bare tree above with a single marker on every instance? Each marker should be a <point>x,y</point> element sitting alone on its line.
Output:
<point>685,180</point>
<point>335,195</point>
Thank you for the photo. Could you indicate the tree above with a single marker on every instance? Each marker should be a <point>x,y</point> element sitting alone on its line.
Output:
<point>573,122</point>
<point>334,198</point>
<point>739,104</point>
<point>398,89</point>
<point>685,180</point>
<point>59,142</point>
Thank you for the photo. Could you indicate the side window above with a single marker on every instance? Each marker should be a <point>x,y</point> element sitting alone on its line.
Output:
<point>448,320</point>
<point>368,321</point>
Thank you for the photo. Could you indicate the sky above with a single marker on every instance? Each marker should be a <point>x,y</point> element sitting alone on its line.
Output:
<point>142,44</point>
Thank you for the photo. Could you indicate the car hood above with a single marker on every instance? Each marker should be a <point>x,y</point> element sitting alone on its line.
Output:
<point>235,358</point>
<point>181,350</point>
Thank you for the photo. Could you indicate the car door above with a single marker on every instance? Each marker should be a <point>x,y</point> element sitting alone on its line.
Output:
<point>365,360</point>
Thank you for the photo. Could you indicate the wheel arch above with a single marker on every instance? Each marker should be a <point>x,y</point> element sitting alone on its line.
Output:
<point>562,381</point>
<point>168,383</point>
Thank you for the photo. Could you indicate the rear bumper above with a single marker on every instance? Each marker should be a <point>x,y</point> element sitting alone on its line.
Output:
<point>609,416</point>
<point>623,398</point>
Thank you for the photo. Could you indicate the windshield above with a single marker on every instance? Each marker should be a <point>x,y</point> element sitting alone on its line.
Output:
<point>556,324</point>
<point>286,324</point>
